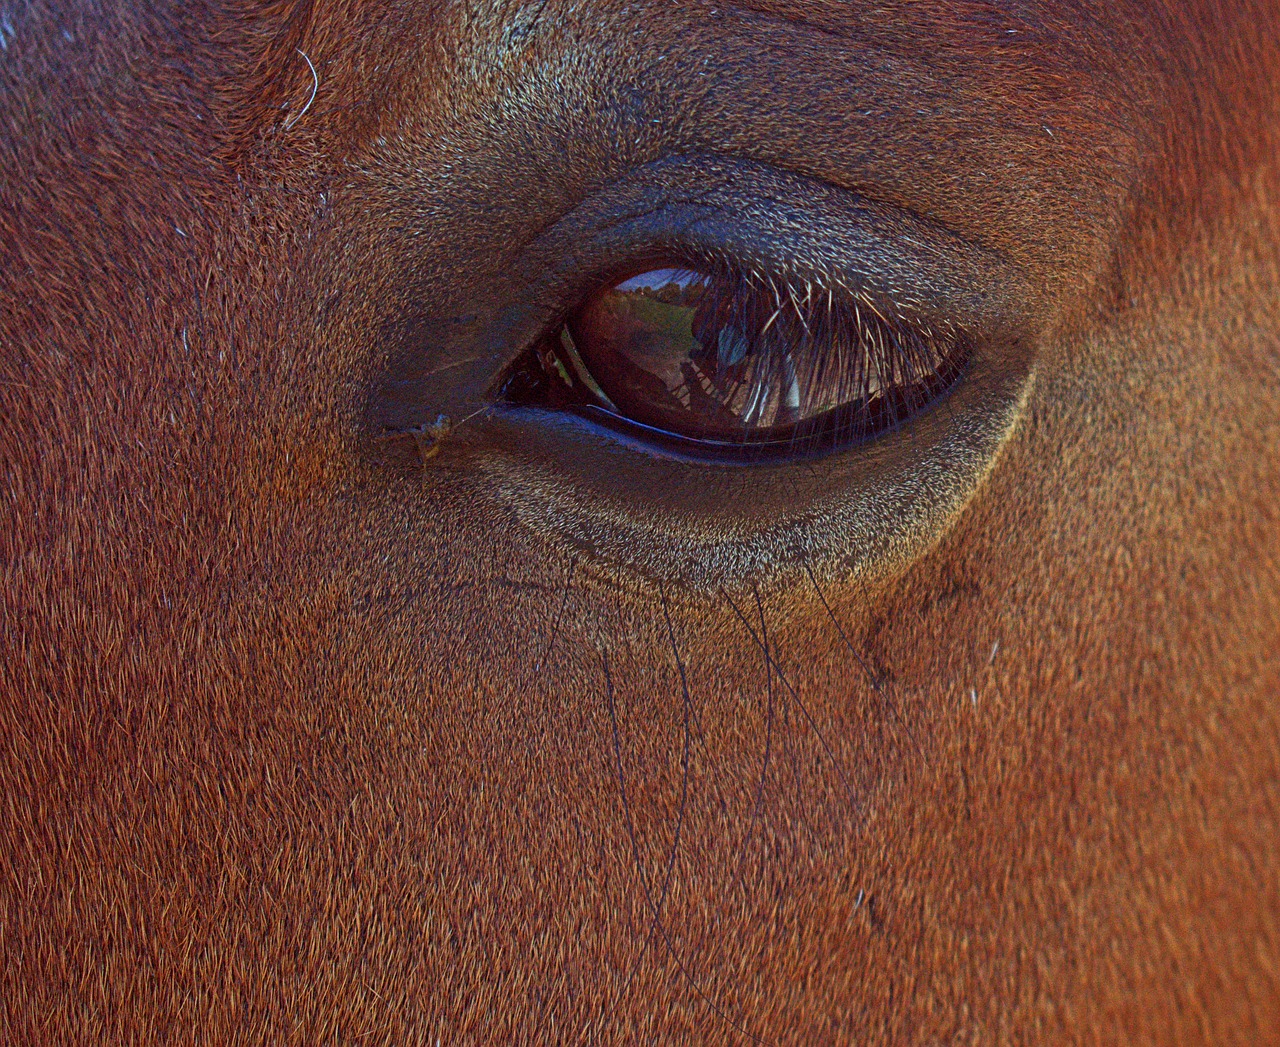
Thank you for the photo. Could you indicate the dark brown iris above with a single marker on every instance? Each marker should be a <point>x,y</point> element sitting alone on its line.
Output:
<point>711,359</point>
<point>671,352</point>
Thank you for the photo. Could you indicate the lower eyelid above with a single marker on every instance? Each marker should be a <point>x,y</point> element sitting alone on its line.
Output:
<point>673,512</point>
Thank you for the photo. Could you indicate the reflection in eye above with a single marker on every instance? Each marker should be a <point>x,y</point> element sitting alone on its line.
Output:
<point>724,366</point>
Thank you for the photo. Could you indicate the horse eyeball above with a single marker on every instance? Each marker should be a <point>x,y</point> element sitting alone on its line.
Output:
<point>731,367</point>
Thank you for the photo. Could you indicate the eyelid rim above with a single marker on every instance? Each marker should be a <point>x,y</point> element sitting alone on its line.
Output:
<point>744,454</point>
<point>749,215</point>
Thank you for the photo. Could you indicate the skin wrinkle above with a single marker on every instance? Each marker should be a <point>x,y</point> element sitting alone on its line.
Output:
<point>298,742</point>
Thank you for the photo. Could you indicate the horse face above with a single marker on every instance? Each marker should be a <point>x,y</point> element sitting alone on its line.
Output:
<point>347,690</point>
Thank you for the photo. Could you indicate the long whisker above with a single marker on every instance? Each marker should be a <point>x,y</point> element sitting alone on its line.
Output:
<point>768,742</point>
<point>555,623</point>
<point>795,694</point>
<point>655,909</point>
<point>684,774</point>
<point>626,814</point>
<point>315,86</point>
<point>876,681</point>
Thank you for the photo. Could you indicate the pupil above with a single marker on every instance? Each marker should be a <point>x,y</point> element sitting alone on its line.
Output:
<point>672,349</point>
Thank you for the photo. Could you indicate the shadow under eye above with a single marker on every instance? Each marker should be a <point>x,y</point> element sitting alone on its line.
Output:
<point>707,362</point>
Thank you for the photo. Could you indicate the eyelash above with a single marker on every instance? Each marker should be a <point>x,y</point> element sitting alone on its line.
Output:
<point>874,363</point>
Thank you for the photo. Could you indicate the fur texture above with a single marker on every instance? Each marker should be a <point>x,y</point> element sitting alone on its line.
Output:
<point>298,743</point>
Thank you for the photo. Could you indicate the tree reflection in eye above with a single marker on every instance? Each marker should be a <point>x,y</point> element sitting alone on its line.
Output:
<point>721,365</point>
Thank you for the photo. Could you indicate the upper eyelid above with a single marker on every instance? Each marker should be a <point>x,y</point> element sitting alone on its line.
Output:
<point>754,216</point>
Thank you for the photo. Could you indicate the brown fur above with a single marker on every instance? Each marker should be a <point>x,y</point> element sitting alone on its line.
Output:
<point>302,742</point>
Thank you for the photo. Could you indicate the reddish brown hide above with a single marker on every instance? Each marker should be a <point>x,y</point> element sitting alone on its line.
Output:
<point>968,734</point>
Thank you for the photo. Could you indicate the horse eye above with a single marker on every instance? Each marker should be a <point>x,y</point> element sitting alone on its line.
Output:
<point>716,364</point>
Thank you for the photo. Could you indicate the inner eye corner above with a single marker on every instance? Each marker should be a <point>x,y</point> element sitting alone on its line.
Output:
<point>700,359</point>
